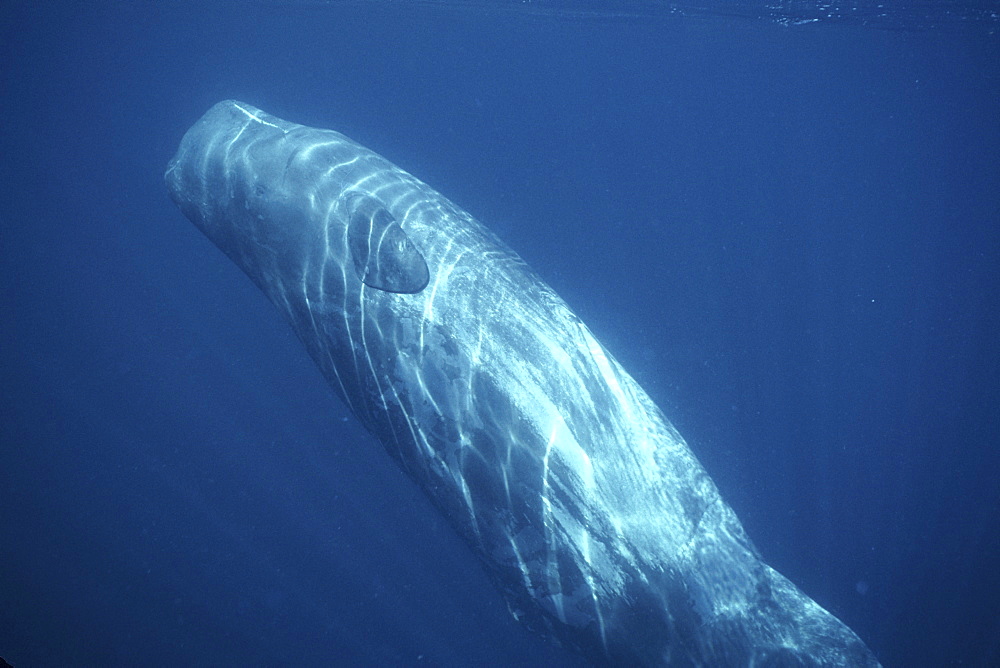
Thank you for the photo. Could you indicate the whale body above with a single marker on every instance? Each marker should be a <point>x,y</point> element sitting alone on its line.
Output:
<point>586,507</point>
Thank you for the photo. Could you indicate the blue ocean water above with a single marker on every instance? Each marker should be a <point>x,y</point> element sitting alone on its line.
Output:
<point>784,221</point>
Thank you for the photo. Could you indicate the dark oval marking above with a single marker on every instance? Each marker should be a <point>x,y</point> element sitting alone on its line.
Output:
<point>384,256</point>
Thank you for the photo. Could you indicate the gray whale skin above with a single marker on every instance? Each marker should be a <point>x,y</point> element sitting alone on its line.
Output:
<point>585,506</point>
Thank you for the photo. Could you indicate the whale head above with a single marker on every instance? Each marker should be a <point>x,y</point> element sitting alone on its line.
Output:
<point>299,213</point>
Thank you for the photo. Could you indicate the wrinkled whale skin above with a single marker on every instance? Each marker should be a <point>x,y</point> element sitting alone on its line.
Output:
<point>586,507</point>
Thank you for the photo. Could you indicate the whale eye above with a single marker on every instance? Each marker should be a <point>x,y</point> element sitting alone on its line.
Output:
<point>384,256</point>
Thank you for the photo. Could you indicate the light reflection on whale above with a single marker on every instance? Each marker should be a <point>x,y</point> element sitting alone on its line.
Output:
<point>586,507</point>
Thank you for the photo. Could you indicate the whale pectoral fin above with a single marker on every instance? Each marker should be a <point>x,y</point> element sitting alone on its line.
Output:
<point>384,256</point>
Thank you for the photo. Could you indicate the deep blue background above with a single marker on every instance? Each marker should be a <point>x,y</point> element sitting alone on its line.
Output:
<point>789,235</point>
